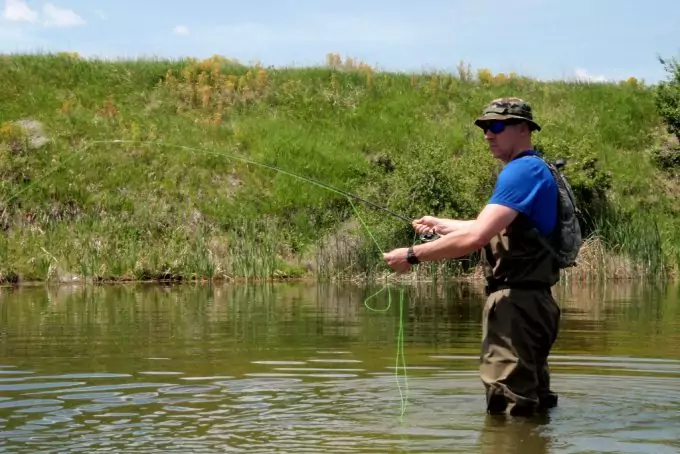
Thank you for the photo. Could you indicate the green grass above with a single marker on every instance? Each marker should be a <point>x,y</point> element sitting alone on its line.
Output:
<point>143,210</point>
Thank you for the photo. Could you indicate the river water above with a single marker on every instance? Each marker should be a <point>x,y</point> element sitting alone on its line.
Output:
<point>310,368</point>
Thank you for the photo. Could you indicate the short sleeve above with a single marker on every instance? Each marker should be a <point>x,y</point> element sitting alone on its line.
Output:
<point>527,186</point>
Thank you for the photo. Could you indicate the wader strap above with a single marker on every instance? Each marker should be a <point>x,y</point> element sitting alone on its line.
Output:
<point>489,256</point>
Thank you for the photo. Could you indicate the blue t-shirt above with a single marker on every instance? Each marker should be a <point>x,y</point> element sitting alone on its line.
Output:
<point>526,185</point>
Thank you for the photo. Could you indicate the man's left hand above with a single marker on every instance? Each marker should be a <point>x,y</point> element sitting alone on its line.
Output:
<point>396,259</point>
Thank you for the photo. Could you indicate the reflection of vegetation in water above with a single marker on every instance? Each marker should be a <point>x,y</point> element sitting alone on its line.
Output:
<point>634,318</point>
<point>620,318</point>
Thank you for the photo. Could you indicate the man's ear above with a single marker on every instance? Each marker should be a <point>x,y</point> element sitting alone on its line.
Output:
<point>525,128</point>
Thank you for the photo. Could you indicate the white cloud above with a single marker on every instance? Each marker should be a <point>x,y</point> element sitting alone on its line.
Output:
<point>19,11</point>
<point>50,16</point>
<point>181,30</point>
<point>60,17</point>
<point>584,76</point>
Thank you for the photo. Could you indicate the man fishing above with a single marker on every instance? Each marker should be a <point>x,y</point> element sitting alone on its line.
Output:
<point>520,318</point>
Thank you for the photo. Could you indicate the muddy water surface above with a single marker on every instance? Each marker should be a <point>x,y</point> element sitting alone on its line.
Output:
<point>306,368</point>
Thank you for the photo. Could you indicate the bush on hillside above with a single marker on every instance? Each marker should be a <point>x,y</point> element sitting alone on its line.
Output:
<point>428,181</point>
<point>667,97</point>
<point>667,157</point>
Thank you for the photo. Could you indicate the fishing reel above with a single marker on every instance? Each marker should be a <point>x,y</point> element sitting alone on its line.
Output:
<point>430,236</point>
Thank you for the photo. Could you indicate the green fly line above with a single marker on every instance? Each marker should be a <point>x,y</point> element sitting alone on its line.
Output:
<point>400,356</point>
<point>400,331</point>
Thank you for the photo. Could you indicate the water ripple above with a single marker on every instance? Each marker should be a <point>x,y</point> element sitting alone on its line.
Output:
<point>142,372</point>
<point>338,412</point>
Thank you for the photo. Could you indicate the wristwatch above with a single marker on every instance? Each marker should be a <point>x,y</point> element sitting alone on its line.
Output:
<point>411,257</point>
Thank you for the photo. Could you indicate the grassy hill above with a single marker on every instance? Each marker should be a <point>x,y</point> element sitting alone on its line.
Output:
<point>172,200</point>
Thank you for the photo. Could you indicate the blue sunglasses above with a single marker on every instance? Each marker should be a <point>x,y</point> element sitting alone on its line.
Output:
<point>497,126</point>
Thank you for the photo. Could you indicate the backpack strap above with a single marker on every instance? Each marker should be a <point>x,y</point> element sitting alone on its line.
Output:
<point>533,232</point>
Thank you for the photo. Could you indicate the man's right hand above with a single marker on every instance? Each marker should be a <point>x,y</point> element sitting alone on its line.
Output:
<point>428,224</point>
<point>431,224</point>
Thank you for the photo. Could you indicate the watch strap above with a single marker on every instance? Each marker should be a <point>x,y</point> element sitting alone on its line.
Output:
<point>411,257</point>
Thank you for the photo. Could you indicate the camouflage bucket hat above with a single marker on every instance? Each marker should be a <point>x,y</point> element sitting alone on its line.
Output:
<point>507,109</point>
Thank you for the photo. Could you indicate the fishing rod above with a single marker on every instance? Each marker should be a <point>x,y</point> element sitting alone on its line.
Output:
<point>425,237</point>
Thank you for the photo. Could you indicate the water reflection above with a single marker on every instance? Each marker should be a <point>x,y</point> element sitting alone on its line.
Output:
<point>299,367</point>
<point>516,436</point>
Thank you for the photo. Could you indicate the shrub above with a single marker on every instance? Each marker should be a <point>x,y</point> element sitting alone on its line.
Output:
<point>667,157</point>
<point>667,97</point>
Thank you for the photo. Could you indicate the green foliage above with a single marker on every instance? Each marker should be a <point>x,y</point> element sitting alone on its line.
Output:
<point>426,180</point>
<point>667,97</point>
<point>667,157</point>
<point>187,208</point>
<point>633,233</point>
<point>590,184</point>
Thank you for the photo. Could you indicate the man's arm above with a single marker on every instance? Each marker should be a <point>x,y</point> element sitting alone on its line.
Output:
<point>441,226</point>
<point>515,192</point>
<point>451,225</point>
<point>469,236</point>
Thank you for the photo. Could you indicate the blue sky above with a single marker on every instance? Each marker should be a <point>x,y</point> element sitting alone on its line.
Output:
<point>548,39</point>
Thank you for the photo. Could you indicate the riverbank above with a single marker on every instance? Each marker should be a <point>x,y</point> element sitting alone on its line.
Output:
<point>131,170</point>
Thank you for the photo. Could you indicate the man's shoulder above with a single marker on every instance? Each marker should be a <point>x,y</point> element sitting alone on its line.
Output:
<point>532,161</point>
<point>527,170</point>
<point>527,185</point>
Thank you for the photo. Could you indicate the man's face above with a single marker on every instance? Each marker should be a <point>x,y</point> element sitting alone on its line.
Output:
<point>502,137</point>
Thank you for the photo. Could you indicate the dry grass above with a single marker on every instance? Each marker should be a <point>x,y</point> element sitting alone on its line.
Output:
<point>595,261</point>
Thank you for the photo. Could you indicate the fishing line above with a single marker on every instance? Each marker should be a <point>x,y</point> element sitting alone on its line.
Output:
<point>400,331</point>
<point>204,151</point>
<point>400,356</point>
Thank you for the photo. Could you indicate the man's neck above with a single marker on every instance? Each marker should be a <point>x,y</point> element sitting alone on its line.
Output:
<point>519,150</point>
